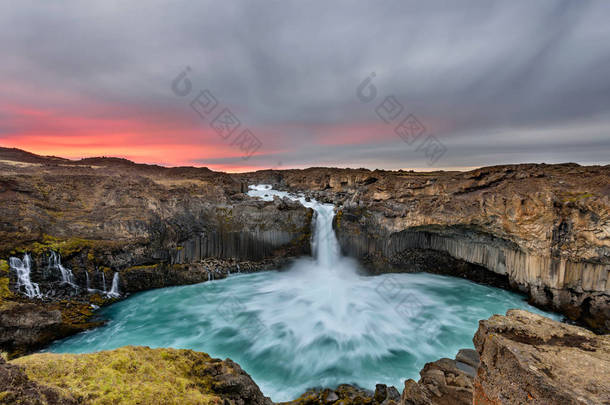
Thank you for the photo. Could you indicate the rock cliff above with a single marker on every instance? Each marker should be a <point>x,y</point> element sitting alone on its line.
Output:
<point>543,229</point>
<point>147,226</point>
<point>530,359</point>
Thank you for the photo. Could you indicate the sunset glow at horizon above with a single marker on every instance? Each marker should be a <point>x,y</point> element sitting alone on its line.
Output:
<point>450,87</point>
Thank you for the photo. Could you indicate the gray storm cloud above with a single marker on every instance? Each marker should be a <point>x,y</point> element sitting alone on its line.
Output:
<point>495,82</point>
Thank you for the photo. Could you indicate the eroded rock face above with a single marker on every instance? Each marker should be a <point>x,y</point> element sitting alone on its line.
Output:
<point>444,382</point>
<point>530,359</point>
<point>544,228</point>
<point>153,226</point>
<point>27,326</point>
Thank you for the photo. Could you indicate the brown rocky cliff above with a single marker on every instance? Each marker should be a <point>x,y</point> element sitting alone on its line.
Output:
<point>530,359</point>
<point>545,228</point>
<point>153,226</point>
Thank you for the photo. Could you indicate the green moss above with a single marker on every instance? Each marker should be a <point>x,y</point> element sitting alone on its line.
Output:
<point>128,375</point>
<point>573,197</point>
<point>5,292</point>
<point>144,266</point>
<point>67,246</point>
<point>339,216</point>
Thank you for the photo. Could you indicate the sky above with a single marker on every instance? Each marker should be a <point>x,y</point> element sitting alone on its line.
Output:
<point>247,85</point>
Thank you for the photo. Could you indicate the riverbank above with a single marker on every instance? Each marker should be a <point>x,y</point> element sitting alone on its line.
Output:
<point>520,358</point>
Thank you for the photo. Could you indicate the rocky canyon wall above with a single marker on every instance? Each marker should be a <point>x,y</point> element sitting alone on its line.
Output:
<point>143,226</point>
<point>544,229</point>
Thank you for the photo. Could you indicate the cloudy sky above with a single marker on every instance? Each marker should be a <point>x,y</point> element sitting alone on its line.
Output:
<point>479,82</point>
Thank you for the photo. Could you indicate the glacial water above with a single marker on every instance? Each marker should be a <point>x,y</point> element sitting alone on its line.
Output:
<point>319,323</point>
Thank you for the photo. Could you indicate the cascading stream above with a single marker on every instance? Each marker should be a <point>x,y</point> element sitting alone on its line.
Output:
<point>66,274</point>
<point>114,289</point>
<point>320,323</point>
<point>22,268</point>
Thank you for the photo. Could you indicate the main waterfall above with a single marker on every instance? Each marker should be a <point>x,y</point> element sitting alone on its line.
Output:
<point>325,247</point>
<point>317,323</point>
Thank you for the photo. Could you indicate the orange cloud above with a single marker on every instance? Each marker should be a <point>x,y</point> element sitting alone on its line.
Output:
<point>161,139</point>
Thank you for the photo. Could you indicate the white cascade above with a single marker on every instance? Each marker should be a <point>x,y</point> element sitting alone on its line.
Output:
<point>325,246</point>
<point>23,268</point>
<point>66,274</point>
<point>114,290</point>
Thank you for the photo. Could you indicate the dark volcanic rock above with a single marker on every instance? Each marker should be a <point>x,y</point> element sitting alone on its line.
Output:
<point>26,326</point>
<point>153,226</point>
<point>346,394</point>
<point>443,382</point>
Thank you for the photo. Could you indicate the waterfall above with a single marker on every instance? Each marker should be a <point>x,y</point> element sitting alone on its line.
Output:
<point>114,290</point>
<point>103,282</point>
<point>88,282</point>
<point>324,244</point>
<point>22,268</point>
<point>66,274</point>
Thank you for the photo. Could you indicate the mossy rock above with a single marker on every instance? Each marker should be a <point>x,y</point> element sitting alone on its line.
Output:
<point>5,292</point>
<point>143,267</point>
<point>135,375</point>
<point>67,247</point>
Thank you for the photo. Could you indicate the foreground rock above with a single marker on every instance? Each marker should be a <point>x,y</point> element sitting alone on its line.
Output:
<point>17,388</point>
<point>26,325</point>
<point>136,375</point>
<point>346,394</point>
<point>444,382</point>
<point>529,359</point>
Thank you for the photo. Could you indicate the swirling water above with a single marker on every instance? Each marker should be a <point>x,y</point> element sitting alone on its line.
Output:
<point>319,323</point>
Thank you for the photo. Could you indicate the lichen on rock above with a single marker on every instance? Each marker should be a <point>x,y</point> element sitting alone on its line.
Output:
<point>140,375</point>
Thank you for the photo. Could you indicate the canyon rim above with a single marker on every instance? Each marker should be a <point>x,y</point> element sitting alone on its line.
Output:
<point>165,227</point>
<point>256,202</point>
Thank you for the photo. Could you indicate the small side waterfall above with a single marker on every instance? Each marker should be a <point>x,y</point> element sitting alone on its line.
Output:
<point>104,283</point>
<point>114,290</point>
<point>88,282</point>
<point>66,274</point>
<point>22,268</point>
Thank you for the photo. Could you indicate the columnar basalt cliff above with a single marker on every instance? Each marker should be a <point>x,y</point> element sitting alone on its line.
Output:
<point>544,229</point>
<point>144,226</point>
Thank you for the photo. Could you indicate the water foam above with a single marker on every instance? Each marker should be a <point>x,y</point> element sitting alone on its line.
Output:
<point>320,323</point>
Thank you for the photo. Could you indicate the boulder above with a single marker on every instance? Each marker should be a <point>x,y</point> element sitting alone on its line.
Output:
<point>530,359</point>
